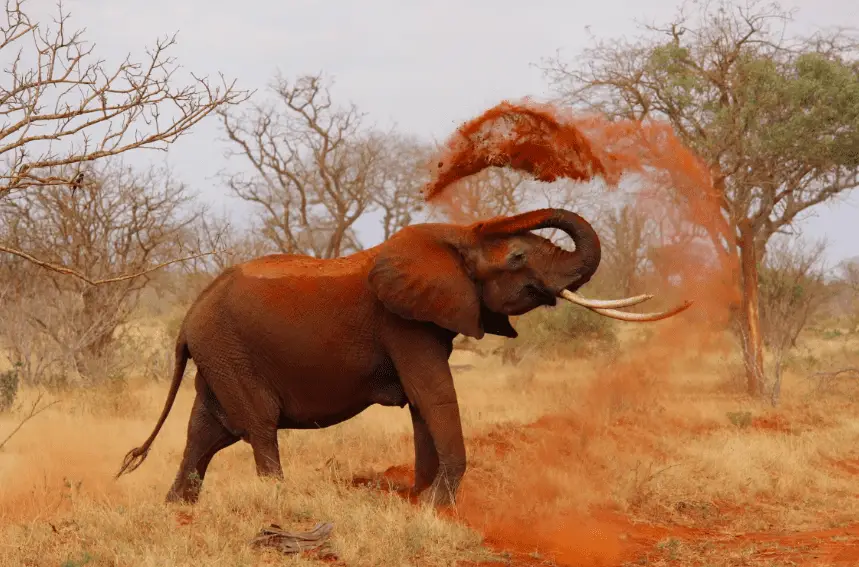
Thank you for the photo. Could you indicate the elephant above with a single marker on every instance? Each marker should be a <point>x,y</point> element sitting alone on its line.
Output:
<point>289,341</point>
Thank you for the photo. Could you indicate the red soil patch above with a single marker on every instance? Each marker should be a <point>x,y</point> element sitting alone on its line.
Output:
<point>850,466</point>
<point>600,536</point>
<point>773,423</point>
<point>397,479</point>
<point>184,518</point>
<point>838,546</point>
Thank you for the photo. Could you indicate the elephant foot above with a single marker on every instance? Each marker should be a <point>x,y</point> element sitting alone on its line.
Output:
<point>185,497</point>
<point>184,493</point>
<point>437,495</point>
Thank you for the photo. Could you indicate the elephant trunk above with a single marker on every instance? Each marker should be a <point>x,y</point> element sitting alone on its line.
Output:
<point>570,269</point>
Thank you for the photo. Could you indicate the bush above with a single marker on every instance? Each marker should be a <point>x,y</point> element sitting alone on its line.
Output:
<point>9,383</point>
<point>564,330</point>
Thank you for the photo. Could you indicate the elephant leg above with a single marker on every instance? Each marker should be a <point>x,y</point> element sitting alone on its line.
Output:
<point>267,453</point>
<point>445,427</point>
<point>426,457</point>
<point>206,436</point>
<point>421,362</point>
<point>249,406</point>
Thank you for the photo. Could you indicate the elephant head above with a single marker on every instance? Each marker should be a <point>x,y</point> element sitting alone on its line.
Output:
<point>469,279</point>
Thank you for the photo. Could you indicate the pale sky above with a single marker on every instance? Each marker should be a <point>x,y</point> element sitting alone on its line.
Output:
<point>423,66</point>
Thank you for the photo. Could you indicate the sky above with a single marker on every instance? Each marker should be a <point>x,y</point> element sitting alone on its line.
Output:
<point>423,67</point>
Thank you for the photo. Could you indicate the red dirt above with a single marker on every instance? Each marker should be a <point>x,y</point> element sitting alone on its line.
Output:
<point>184,518</point>
<point>600,536</point>
<point>773,423</point>
<point>850,466</point>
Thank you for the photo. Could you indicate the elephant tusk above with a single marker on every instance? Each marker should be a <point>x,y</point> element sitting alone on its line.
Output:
<point>636,317</point>
<point>643,317</point>
<point>603,303</point>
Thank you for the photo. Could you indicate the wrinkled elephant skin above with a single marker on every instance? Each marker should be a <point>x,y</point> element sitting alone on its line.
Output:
<point>288,341</point>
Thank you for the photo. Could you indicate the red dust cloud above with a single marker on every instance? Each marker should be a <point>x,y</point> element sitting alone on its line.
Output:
<point>690,261</point>
<point>551,143</point>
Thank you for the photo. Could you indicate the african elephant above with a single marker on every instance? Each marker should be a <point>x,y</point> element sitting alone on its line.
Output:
<point>289,341</point>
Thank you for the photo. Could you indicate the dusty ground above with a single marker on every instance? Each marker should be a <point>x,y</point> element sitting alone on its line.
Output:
<point>649,460</point>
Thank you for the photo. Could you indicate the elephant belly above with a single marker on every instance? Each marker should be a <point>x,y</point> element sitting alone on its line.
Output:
<point>391,394</point>
<point>343,400</point>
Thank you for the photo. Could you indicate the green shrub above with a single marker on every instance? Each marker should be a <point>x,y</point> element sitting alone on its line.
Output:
<point>741,419</point>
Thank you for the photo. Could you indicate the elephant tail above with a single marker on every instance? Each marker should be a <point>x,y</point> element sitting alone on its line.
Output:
<point>136,456</point>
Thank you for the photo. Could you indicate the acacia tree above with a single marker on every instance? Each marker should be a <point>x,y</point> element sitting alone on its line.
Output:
<point>62,108</point>
<point>776,120</point>
<point>316,170</point>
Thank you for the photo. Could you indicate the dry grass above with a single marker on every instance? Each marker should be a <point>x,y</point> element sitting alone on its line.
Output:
<point>552,445</point>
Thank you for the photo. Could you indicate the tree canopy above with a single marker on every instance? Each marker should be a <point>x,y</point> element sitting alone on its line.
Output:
<point>775,118</point>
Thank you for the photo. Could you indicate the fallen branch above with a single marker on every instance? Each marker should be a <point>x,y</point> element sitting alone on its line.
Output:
<point>293,542</point>
<point>34,411</point>
<point>80,276</point>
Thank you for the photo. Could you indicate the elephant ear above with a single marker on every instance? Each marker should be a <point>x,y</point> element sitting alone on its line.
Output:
<point>419,277</point>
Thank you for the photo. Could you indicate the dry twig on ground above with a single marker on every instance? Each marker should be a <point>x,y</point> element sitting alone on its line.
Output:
<point>293,542</point>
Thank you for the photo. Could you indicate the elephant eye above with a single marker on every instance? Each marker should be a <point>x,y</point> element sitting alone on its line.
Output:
<point>516,258</point>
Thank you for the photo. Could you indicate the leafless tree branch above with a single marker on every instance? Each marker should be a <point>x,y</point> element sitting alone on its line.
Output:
<point>315,170</point>
<point>84,278</point>
<point>35,410</point>
<point>61,106</point>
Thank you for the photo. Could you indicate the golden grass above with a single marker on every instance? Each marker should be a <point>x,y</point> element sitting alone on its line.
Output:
<point>647,436</point>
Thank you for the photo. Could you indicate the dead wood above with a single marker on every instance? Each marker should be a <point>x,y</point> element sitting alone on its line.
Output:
<point>293,542</point>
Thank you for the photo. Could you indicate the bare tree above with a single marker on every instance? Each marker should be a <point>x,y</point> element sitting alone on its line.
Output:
<point>316,171</point>
<point>120,220</point>
<point>492,192</point>
<point>627,235</point>
<point>850,273</point>
<point>848,296</point>
<point>403,172</point>
<point>774,119</point>
<point>792,289</point>
<point>232,244</point>
<point>63,108</point>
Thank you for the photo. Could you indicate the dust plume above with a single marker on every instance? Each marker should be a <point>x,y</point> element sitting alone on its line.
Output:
<point>618,411</point>
<point>670,184</point>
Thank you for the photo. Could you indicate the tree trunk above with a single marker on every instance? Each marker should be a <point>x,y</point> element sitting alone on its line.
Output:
<point>753,352</point>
